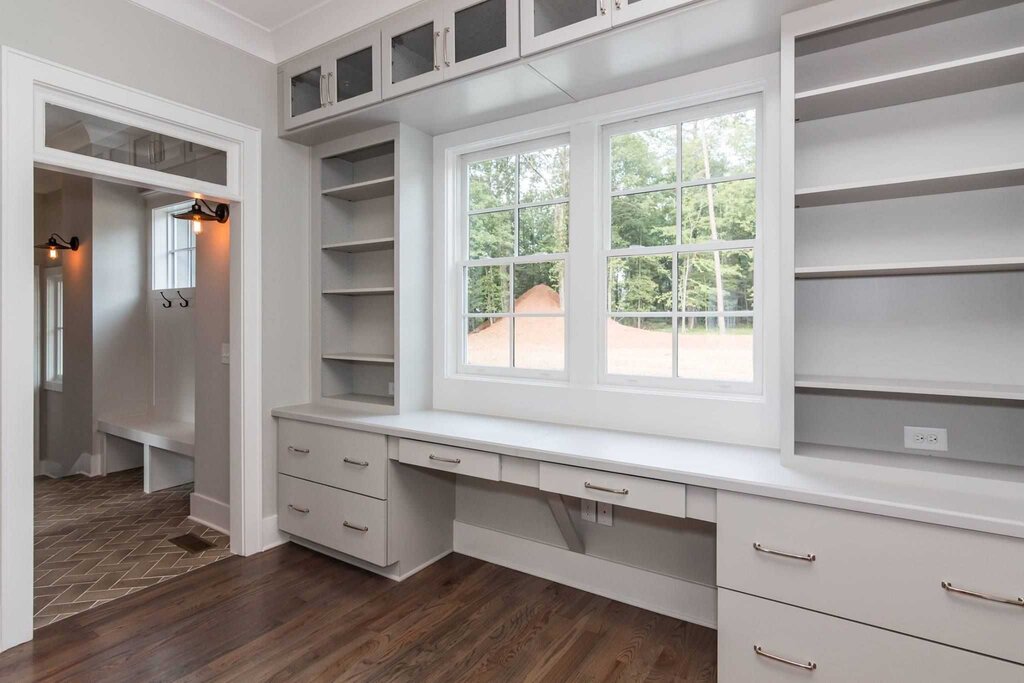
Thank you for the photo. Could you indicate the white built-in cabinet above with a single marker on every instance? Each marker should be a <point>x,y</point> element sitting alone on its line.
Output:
<point>434,41</point>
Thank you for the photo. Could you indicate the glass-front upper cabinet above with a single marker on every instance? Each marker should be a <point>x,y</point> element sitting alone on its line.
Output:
<point>478,34</point>
<point>547,23</point>
<point>628,10</point>
<point>412,49</point>
<point>336,78</point>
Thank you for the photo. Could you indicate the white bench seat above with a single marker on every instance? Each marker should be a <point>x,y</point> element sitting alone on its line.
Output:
<point>168,447</point>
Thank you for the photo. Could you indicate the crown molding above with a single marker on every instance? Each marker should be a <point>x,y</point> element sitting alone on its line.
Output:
<point>216,22</point>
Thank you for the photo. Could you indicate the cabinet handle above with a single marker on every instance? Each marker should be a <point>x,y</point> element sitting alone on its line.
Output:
<point>1019,602</point>
<point>444,45</point>
<point>761,652</point>
<point>618,4</point>
<point>330,87</point>
<point>604,10</point>
<point>300,451</point>
<point>323,100</point>
<point>357,463</point>
<point>809,557</point>
<point>438,458</point>
<point>437,64</point>
<point>303,511</point>
<point>618,492</point>
<point>354,527</point>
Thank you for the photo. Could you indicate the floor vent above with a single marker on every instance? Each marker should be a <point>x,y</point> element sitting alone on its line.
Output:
<point>191,543</point>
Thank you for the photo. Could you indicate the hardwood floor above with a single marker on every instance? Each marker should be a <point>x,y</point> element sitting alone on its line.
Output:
<point>294,615</point>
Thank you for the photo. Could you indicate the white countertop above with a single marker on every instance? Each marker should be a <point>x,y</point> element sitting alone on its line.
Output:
<point>743,469</point>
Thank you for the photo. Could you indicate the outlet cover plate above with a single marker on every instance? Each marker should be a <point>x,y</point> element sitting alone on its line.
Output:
<point>588,510</point>
<point>604,514</point>
<point>925,439</point>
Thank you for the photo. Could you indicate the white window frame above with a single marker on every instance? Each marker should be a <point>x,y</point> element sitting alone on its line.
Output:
<point>54,366</point>
<point>164,248</point>
<point>461,280</point>
<point>664,119</point>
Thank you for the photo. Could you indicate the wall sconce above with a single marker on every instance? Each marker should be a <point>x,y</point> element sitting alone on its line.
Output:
<point>198,215</point>
<point>57,243</point>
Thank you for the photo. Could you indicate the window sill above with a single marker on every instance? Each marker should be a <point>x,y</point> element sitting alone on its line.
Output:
<point>53,386</point>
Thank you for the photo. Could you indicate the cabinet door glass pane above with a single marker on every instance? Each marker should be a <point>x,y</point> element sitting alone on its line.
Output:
<point>355,74</point>
<point>479,29</point>
<point>551,15</point>
<point>306,92</point>
<point>412,53</point>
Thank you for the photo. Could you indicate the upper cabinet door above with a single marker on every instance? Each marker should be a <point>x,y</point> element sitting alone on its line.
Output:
<point>478,34</point>
<point>628,10</point>
<point>304,91</point>
<point>547,23</point>
<point>353,80</point>
<point>412,49</point>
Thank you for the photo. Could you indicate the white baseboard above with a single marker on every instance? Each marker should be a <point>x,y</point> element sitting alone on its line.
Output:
<point>212,513</point>
<point>692,602</point>
<point>271,535</point>
<point>392,571</point>
<point>88,464</point>
<point>51,469</point>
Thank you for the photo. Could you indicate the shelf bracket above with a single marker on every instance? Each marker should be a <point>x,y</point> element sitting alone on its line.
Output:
<point>560,511</point>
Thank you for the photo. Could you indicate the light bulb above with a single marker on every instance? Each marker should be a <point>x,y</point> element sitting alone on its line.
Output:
<point>53,253</point>
<point>197,227</point>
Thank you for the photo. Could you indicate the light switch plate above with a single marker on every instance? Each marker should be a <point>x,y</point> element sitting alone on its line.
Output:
<point>604,514</point>
<point>588,510</point>
<point>225,354</point>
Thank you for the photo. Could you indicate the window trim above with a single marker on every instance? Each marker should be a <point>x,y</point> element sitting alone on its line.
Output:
<point>676,116</point>
<point>461,261</point>
<point>54,357</point>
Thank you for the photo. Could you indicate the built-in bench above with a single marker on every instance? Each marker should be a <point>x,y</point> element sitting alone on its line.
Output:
<point>167,448</point>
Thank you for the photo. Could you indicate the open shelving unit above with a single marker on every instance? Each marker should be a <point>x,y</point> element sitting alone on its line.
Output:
<point>884,108</point>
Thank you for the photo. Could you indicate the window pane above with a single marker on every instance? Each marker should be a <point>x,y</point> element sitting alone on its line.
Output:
<point>720,146</point>
<point>640,346</point>
<point>183,268</point>
<point>487,342</point>
<point>492,183</point>
<point>182,230</point>
<point>491,235</point>
<point>644,220</point>
<point>717,348</point>
<point>544,175</point>
<point>540,343</point>
<point>640,284</point>
<point>734,217</point>
<point>544,229</point>
<point>538,287</point>
<point>644,158</point>
<point>487,290</point>
<point>717,281</point>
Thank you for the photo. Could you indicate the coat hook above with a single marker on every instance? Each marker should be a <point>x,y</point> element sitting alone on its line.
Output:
<point>167,302</point>
<point>184,301</point>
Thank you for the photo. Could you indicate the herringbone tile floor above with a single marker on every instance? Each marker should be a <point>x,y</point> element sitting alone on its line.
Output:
<point>102,538</point>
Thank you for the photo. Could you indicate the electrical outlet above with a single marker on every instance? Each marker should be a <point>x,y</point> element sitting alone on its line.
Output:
<point>588,510</point>
<point>925,439</point>
<point>604,513</point>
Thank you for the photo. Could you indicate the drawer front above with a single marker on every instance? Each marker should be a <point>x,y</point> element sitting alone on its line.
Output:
<point>450,459</point>
<point>620,489</point>
<point>343,458</point>
<point>877,570</point>
<point>347,522</point>
<point>840,651</point>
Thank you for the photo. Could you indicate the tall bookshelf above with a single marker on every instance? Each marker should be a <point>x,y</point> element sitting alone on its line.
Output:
<point>371,231</point>
<point>905,241</point>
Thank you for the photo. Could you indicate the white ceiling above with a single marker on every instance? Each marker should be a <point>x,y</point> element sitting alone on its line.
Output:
<point>274,30</point>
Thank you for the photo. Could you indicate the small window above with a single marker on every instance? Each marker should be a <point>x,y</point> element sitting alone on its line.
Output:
<point>54,329</point>
<point>514,259</point>
<point>174,249</point>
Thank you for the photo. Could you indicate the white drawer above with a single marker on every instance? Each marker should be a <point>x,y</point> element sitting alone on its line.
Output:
<point>343,458</point>
<point>841,651</point>
<point>662,497</point>
<point>347,522</point>
<point>450,459</point>
<point>877,570</point>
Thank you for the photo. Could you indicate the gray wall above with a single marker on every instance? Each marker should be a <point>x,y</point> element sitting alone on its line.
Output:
<point>120,41</point>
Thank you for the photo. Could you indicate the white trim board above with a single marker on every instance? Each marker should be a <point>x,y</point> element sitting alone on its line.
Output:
<point>685,600</point>
<point>210,512</point>
<point>272,536</point>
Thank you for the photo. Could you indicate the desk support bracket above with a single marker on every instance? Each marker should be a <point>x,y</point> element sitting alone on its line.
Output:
<point>560,511</point>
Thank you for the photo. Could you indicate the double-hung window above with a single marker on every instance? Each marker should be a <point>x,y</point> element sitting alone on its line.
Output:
<point>54,329</point>
<point>174,249</point>
<point>512,259</point>
<point>679,248</point>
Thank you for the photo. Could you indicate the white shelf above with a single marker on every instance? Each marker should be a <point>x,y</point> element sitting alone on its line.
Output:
<point>360,246</point>
<point>981,265</point>
<point>369,189</point>
<point>355,356</point>
<point>912,186</point>
<point>1005,392</point>
<point>360,291</point>
<point>364,398</point>
<point>937,80</point>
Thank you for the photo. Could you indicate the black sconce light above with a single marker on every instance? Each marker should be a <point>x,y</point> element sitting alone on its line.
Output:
<point>198,215</point>
<point>57,243</point>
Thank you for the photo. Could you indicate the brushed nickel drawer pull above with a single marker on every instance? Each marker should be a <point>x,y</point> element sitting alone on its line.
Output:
<point>357,463</point>
<point>809,557</point>
<point>364,529</point>
<point>438,458</point>
<point>761,652</point>
<point>1019,602</point>
<point>595,487</point>
<point>303,511</point>
<point>300,451</point>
